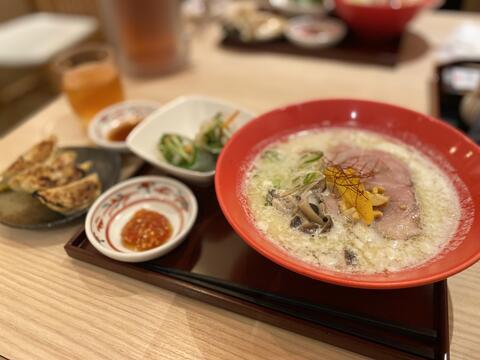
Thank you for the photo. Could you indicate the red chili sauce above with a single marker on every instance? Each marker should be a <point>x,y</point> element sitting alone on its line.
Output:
<point>146,230</point>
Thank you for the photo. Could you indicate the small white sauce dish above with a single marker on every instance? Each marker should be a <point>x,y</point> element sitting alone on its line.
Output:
<point>113,117</point>
<point>113,209</point>
<point>315,33</point>
<point>182,116</point>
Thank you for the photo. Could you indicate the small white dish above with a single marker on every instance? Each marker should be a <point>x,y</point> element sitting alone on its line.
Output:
<point>116,115</point>
<point>113,209</point>
<point>315,33</point>
<point>183,116</point>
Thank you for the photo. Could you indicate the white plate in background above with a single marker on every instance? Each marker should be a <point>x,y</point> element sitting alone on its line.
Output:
<point>35,38</point>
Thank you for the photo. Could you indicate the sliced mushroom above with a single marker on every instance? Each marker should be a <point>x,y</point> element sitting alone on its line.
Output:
<point>286,204</point>
<point>309,211</point>
<point>269,197</point>
<point>296,221</point>
<point>350,257</point>
<point>308,228</point>
<point>306,205</point>
<point>320,186</point>
<point>316,214</point>
<point>327,223</point>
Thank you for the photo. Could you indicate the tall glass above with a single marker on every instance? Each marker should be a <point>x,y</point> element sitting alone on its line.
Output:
<point>149,35</point>
<point>90,79</point>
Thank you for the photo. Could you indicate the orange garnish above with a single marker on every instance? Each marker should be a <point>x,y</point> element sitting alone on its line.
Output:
<point>347,183</point>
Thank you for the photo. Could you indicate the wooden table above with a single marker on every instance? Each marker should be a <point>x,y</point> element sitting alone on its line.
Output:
<point>52,306</point>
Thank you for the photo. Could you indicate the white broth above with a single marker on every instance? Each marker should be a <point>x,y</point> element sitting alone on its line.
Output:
<point>350,245</point>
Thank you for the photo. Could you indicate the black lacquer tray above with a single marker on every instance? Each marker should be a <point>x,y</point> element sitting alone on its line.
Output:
<point>215,266</point>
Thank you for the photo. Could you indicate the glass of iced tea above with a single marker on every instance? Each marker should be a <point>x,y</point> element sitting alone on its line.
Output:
<point>90,79</point>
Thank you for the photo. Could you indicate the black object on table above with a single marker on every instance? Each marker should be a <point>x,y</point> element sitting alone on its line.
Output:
<point>448,96</point>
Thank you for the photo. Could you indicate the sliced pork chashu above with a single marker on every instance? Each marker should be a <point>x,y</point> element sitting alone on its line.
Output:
<point>38,154</point>
<point>73,197</point>
<point>401,215</point>
<point>59,171</point>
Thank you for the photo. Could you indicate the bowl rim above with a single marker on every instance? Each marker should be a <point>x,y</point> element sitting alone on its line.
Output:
<point>385,6</point>
<point>151,253</point>
<point>288,263</point>
<point>176,102</point>
<point>94,123</point>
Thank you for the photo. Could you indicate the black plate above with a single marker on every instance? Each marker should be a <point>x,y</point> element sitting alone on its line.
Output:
<point>22,210</point>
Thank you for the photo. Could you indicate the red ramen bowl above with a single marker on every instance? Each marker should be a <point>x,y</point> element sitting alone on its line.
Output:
<point>452,151</point>
<point>378,21</point>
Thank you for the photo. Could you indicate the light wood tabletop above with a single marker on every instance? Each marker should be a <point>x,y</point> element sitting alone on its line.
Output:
<point>52,306</point>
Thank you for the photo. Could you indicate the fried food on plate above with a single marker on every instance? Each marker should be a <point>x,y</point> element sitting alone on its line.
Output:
<point>58,171</point>
<point>73,197</point>
<point>38,154</point>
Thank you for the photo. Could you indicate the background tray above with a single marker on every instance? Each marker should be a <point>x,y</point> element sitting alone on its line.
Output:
<point>350,49</point>
<point>214,265</point>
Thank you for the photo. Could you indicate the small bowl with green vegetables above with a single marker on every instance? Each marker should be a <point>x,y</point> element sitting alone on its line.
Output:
<point>185,136</point>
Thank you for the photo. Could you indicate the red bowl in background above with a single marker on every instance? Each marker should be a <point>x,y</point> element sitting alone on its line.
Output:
<point>378,21</point>
<point>458,154</point>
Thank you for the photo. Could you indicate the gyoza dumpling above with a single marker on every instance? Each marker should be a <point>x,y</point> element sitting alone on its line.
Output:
<point>38,154</point>
<point>58,171</point>
<point>73,197</point>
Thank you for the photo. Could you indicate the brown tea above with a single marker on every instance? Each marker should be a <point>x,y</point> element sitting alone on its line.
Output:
<point>92,86</point>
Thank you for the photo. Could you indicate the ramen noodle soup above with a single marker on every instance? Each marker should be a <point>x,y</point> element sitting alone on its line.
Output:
<point>351,201</point>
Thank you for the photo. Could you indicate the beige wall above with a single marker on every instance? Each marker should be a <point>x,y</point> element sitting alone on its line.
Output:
<point>472,5</point>
<point>10,9</point>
